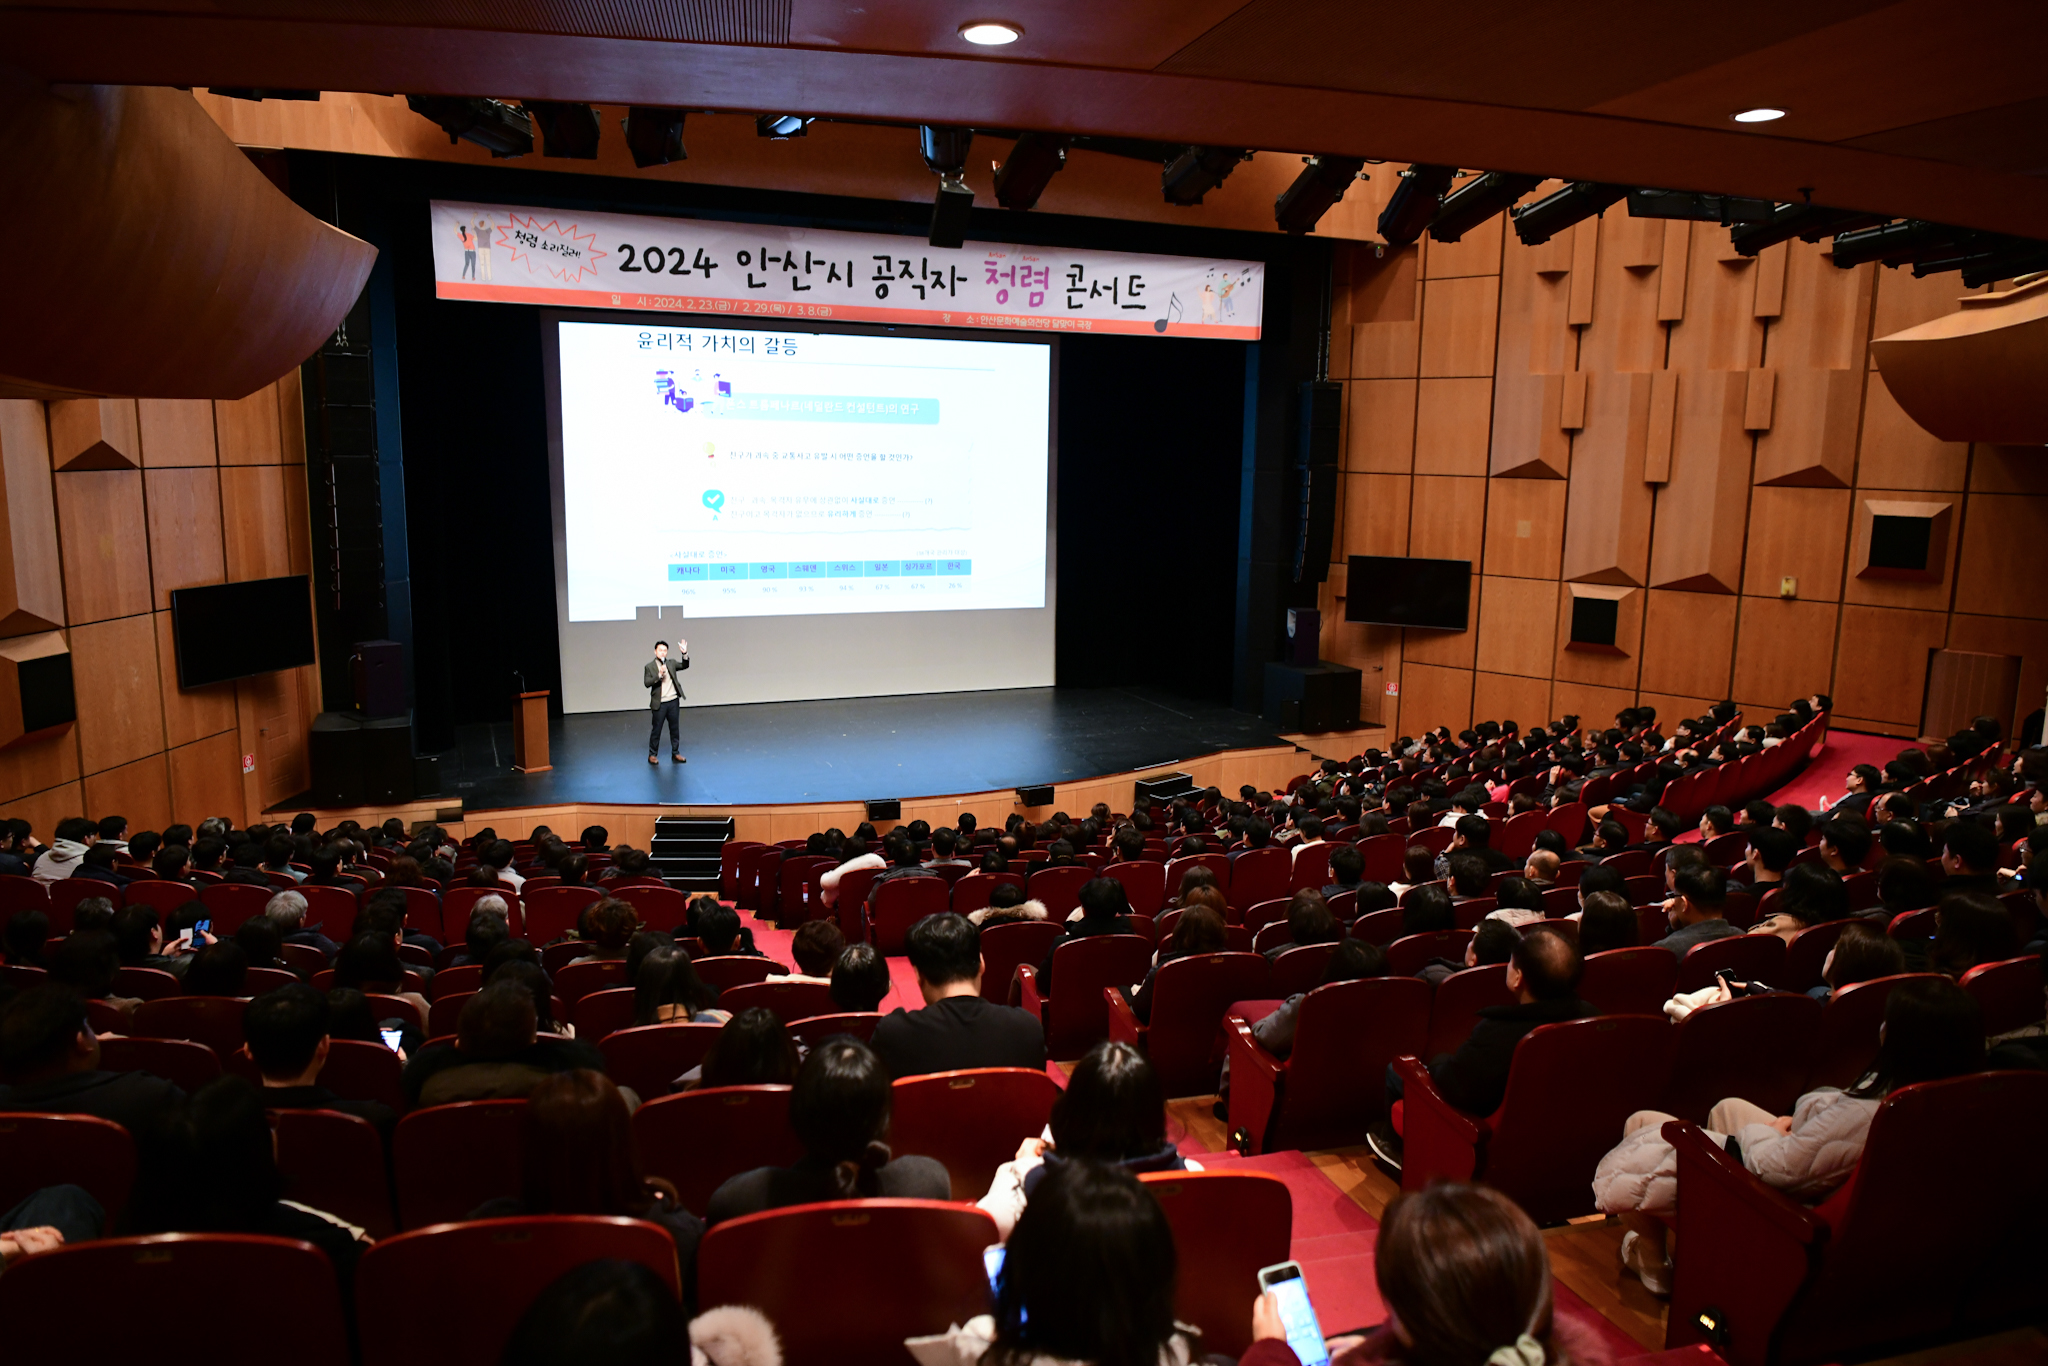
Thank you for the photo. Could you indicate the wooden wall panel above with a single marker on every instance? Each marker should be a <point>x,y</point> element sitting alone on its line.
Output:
<point>1898,453</point>
<point>1383,305</point>
<point>105,538</point>
<point>176,431</point>
<point>1993,576</point>
<point>1801,533</point>
<point>1590,702</point>
<point>42,810</point>
<point>1963,685</point>
<point>1809,439</point>
<point>31,570</point>
<point>192,715</point>
<point>35,765</point>
<point>1671,707</point>
<point>1459,318</point>
<point>1432,697</point>
<point>1825,322</point>
<point>1902,301</point>
<point>1881,670</point>
<point>206,780</point>
<point>1379,433</point>
<point>1504,697</point>
<point>2008,636</point>
<point>1536,345</point>
<point>253,517</point>
<point>1517,626</point>
<point>1477,253</point>
<point>268,710</point>
<point>1884,592</point>
<point>1607,670</point>
<point>1447,520</point>
<point>141,791</point>
<point>1607,518</point>
<point>1451,649</point>
<point>1524,527</point>
<point>2007,469</point>
<point>1718,329</point>
<point>94,434</point>
<point>1376,514</point>
<point>248,429</point>
<point>120,701</point>
<point>298,520</point>
<point>1453,420</point>
<point>1688,641</point>
<point>184,530</point>
<point>1783,649</point>
<point>1702,511</point>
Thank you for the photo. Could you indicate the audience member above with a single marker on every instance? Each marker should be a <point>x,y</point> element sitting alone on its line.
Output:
<point>289,1041</point>
<point>497,1052</point>
<point>620,1313</point>
<point>1695,912</point>
<point>1105,909</point>
<point>667,990</point>
<point>52,1055</point>
<point>1606,921</point>
<point>860,979</point>
<point>956,1028</point>
<point>753,1049</point>
<point>816,946</point>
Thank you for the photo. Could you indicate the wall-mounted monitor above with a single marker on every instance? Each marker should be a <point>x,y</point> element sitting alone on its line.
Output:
<point>234,630</point>
<point>1390,590</point>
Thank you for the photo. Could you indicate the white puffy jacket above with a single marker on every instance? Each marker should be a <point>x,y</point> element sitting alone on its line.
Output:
<point>1828,1130</point>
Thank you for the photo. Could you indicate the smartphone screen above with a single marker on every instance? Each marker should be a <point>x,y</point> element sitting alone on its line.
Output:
<point>1297,1315</point>
<point>201,927</point>
<point>391,1038</point>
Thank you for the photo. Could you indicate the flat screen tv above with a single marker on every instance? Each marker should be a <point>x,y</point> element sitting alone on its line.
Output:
<point>235,630</point>
<point>1389,590</point>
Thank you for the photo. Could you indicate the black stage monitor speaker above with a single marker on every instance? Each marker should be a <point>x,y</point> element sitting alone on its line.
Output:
<point>1313,697</point>
<point>358,763</point>
<point>884,809</point>
<point>1161,790</point>
<point>1035,796</point>
<point>377,668</point>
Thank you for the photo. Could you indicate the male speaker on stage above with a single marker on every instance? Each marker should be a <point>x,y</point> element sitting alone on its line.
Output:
<point>662,677</point>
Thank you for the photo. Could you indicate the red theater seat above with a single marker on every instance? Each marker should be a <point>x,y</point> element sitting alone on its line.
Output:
<point>818,1028</point>
<point>1332,1085</point>
<point>901,902</point>
<point>1004,947</point>
<point>1634,981</point>
<point>790,1001</point>
<point>735,969</point>
<point>1226,1225</point>
<point>1190,997</point>
<point>1074,1016</point>
<point>448,1159</point>
<point>64,1150</point>
<point>189,1065</point>
<point>971,1120</point>
<point>335,1162</point>
<point>649,1057</point>
<point>699,1139</point>
<point>1754,1047</point>
<point>1459,999</point>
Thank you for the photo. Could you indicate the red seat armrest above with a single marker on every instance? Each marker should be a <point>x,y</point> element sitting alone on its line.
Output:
<point>1438,1140</point>
<point>1024,990</point>
<point>1124,1025</point>
<point>1255,1082</point>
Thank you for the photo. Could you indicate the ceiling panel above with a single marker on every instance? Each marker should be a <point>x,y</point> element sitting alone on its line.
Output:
<point>1123,33</point>
<point>2012,138</point>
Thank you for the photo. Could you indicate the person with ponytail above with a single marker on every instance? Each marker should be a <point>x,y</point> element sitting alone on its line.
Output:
<point>839,1109</point>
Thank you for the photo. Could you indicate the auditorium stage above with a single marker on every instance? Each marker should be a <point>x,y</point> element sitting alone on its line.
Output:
<point>850,749</point>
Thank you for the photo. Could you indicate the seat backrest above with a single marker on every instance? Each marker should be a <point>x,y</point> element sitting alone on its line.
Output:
<point>146,984</point>
<point>1435,838</point>
<point>798,889</point>
<point>233,903</point>
<point>1847,1041</point>
<point>1569,1088</point>
<point>1806,955</point>
<point>1904,1258</point>
<point>2008,992</point>
<point>483,1276</point>
<point>333,910</point>
<point>215,1021</point>
<point>1344,1038</point>
<point>458,902</point>
<point>1311,867</point>
<point>1459,999</point>
<point>335,1162</point>
<point>1517,835</point>
<point>190,1065</point>
<point>357,1070</point>
<point>1569,820</point>
<point>66,894</point>
<point>1059,889</point>
<point>1745,957</point>
<point>972,892</point>
<point>649,1057</point>
<point>971,1120</point>
<point>456,981</point>
<point>659,908</point>
<point>1259,875</point>
<point>1383,855</point>
<point>164,897</point>
<point>818,1028</point>
<point>1635,981</point>
<point>768,879</point>
<point>791,1001</point>
<point>1219,864</point>
<point>729,865</point>
<point>551,911</point>
<point>1297,969</point>
<point>1004,947</point>
<point>734,969</point>
<point>700,1139</point>
<point>1379,927</point>
<point>1144,884</point>
<point>1260,914</point>
<point>66,1150</point>
<point>901,902</point>
<point>1076,1017</point>
<point>448,1159</point>
<point>577,980</point>
<point>19,892</point>
<point>850,1280</point>
<point>300,1303</point>
<point>1190,996</point>
<point>597,1014</point>
<point>1410,953</point>
<point>1226,1225</point>
<point>1755,1047</point>
<point>444,1013</point>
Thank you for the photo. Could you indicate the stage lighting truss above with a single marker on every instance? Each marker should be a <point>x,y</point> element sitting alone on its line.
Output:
<point>1322,182</point>
<point>1414,203</point>
<point>1726,209</point>
<point>1537,223</point>
<point>1477,200</point>
<point>945,152</point>
<point>1807,222</point>
<point>566,130</point>
<point>1194,171</point>
<point>654,135</point>
<point>1033,162</point>
<point>503,130</point>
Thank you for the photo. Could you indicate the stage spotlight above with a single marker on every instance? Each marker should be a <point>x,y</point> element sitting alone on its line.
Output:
<point>781,126</point>
<point>1322,182</point>
<point>1414,203</point>
<point>654,136</point>
<point>1807,222</point>
<point>503,130</point>
<point>945,152</point>
<point>1547,217</point>
<point>1194,171</point>
<point>566,130</point>
<point>1477,200</point>
<point>2022,258</point>
<point>1896,243</point>
<point>1029,168</point>
<point>1725,209</point>
<point>260,93</point>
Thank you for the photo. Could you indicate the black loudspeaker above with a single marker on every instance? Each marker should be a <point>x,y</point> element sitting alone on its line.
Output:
<point>360,762</point>
<point>426,776</point>
<point>1161,790</point>
<point>1318,435</point>
<point>1314,697</point>
<point>377,669</point>
<point>1304,635</point>
<point>1035,796</point>
<point>884,809</point>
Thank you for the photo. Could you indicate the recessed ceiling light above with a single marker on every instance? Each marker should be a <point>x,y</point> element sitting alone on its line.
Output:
<point>991,32</point>
<point>1758,115</point>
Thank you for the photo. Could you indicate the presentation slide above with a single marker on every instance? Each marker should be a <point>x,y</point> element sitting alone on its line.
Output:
<point>754,473</point>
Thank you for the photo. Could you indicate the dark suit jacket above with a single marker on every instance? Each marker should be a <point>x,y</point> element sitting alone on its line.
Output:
<point>1475,1078</point>
<point>960,1031</point>
<point>650,678</point>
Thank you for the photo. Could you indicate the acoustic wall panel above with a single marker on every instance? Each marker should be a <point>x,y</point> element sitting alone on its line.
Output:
<point>1432,696</point>
<point>1524,527</point>
<point>1702,508</point>
<point>31,573</point>
<point>248,428</point>
<point>1459,317</point>
<point>1688,642</point>
<point>1508,697</point>
<point>1882,667</point>
<point>1800,534</point>
<point>120,700</point>
<point>141,791</point>
<point>188,715</point>
<point>103,532</point>
<point>176,431</point>
<point>1453,421</point>
<point>1535,346</point>
<point>184,530</point>
<point>1379,431</point>
<point>94,434</point>
<point>1781,647</point>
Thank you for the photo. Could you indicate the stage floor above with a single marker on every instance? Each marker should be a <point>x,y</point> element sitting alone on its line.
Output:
<point>850,749</point>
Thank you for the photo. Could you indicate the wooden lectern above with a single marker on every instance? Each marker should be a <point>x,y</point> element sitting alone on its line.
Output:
<point>530,732</point>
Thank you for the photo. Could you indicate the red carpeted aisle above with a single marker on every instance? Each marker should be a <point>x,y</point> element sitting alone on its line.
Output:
<point>1826,773</point>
